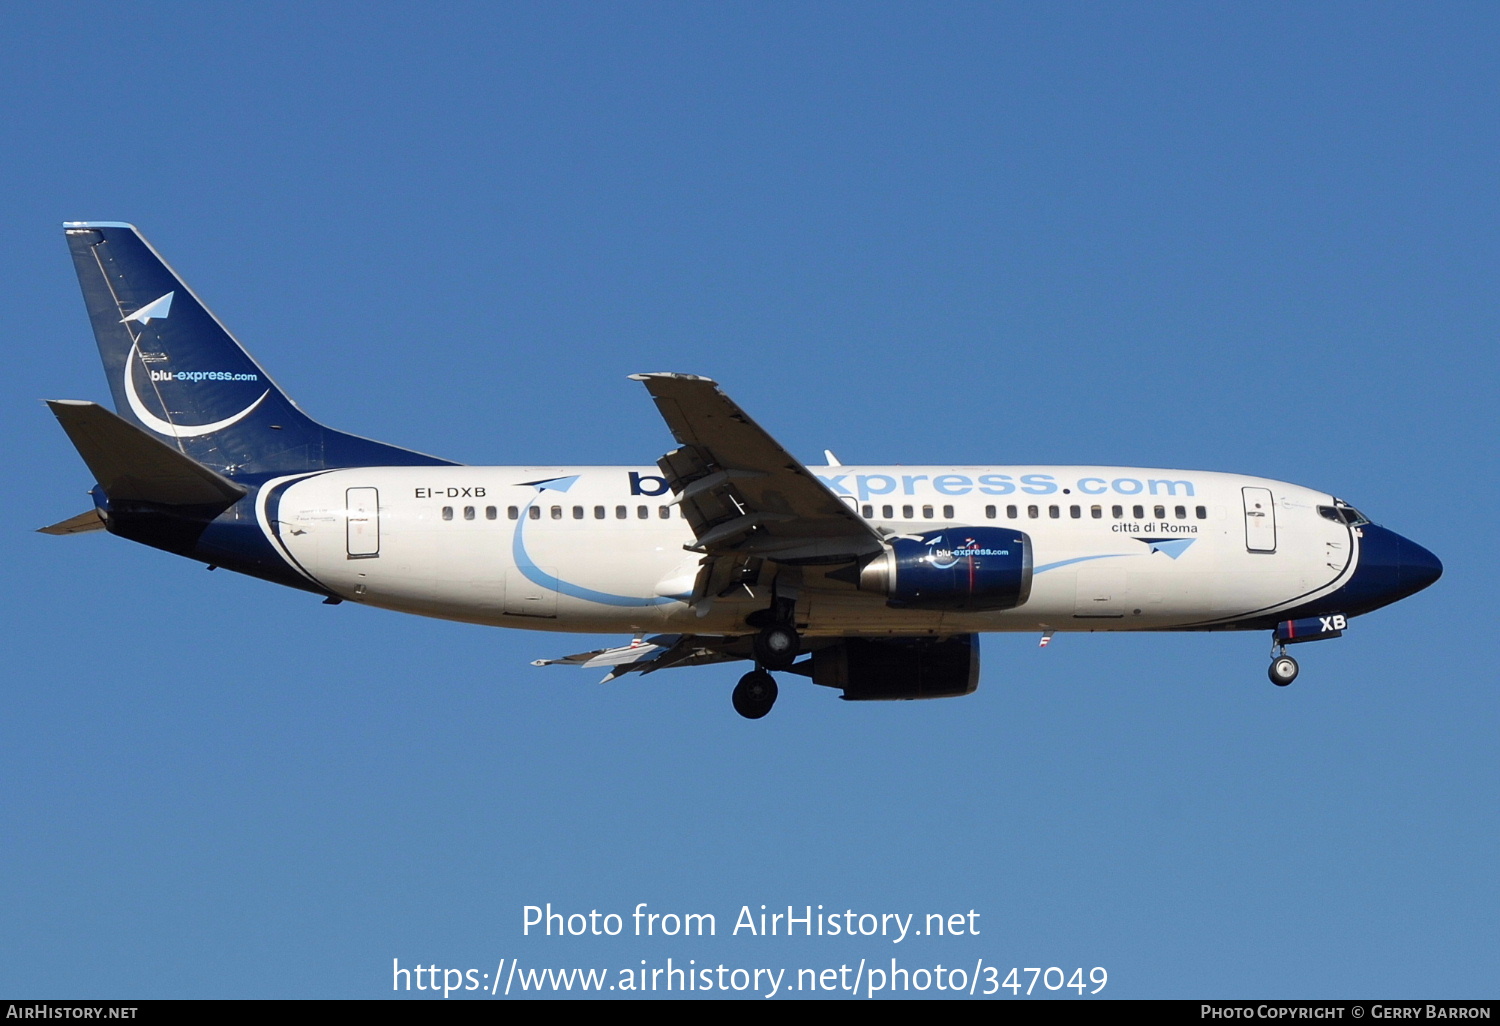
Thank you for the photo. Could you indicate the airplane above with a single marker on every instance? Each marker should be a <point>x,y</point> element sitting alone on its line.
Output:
<point>872,580</point>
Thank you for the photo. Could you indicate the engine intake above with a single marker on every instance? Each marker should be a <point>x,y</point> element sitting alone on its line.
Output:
<point>968,569</point>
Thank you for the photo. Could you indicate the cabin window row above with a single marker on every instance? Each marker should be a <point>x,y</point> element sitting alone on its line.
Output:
<point>1097,512</point>
<point>907,512</point>
<point>886,512</point>
<point>557,513</point>
<point>1035,512</point>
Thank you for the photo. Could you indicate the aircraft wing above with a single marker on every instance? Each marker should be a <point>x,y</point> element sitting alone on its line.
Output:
<point>650,655</point>
<point>744,495</point>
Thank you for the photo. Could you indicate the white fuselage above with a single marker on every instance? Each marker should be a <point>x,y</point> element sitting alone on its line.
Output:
<point>602,549</point>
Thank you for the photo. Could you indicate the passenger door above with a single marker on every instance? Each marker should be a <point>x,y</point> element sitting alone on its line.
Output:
<point>362,522</point>
<point>1260,520</point>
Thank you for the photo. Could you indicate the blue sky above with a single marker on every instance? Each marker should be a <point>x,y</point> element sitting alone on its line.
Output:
<point>1256,238</point>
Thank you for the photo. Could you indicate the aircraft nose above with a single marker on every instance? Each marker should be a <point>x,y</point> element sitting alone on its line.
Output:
<point>1418,567</point>
<point>1390,568</point>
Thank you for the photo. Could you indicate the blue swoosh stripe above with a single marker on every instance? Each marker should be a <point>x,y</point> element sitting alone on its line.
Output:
<point>1077,559</point>
<point>536,575</point>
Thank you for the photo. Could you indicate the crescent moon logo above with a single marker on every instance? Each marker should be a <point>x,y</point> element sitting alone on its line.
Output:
<point>166,427</point>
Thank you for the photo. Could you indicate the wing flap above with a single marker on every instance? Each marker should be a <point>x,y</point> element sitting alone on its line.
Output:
<point>741,492</point>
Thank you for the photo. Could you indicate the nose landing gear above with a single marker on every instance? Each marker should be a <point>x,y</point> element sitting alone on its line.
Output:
<point>1294,632</point>
<point>1283,667</point>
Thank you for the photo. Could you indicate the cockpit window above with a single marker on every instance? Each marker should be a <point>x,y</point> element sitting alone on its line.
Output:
<point>1343,513</point>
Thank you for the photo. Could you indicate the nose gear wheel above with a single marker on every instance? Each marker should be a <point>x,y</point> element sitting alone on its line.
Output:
<point>1283,670</point>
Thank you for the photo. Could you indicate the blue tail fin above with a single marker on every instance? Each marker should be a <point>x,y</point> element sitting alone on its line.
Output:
<point>179,373</point>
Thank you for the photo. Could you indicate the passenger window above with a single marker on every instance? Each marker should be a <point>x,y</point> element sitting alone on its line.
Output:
<point>1033,511</point>
<point>598,512</point>
<point>490,512</point>
<point>1012,513</point>
<point>926,512</point>
<point>948,512</point>
<point>556,512</point>
<point>621,512</point>
<point>1075,512</point>
<point>577,512</point>
<point>1161,512</point>
<point>1139,512</point>
<point>1117,512</point>
<point>1181,512</point>
<point>468,512</point>
<point>1054,512</point>
<point>989,512</point>
<point>1097,512</point>
<point>888,512</point>
<point>447,512</point>
<point>665,512</point>
<point>511,513</point>
<point>867,511</point>
<point>643,512</point>
<point>1202,512</point>
<point>535,512</point>
<point>907,513</point>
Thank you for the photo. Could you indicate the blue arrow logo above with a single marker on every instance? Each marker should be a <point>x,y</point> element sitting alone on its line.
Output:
<point>1173,547</point>
<point>552,484</point>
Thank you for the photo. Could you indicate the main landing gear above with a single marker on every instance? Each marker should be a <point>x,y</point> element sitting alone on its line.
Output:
<point>775,648</point>
<point>755,694</point>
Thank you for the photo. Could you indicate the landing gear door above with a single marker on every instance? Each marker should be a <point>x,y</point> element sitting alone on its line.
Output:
<point>362,515</point>
<point>1260,520</point>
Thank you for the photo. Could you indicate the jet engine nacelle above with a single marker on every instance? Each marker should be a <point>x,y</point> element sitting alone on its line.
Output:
<point>969,569</point>
<point>874,669</point>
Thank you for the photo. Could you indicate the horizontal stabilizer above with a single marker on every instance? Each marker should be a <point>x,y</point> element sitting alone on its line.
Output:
<point>82,523</point>
<point>623,659</point>
<point>602,656</point>
<point>132,466</point>
<point>651,654</point>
